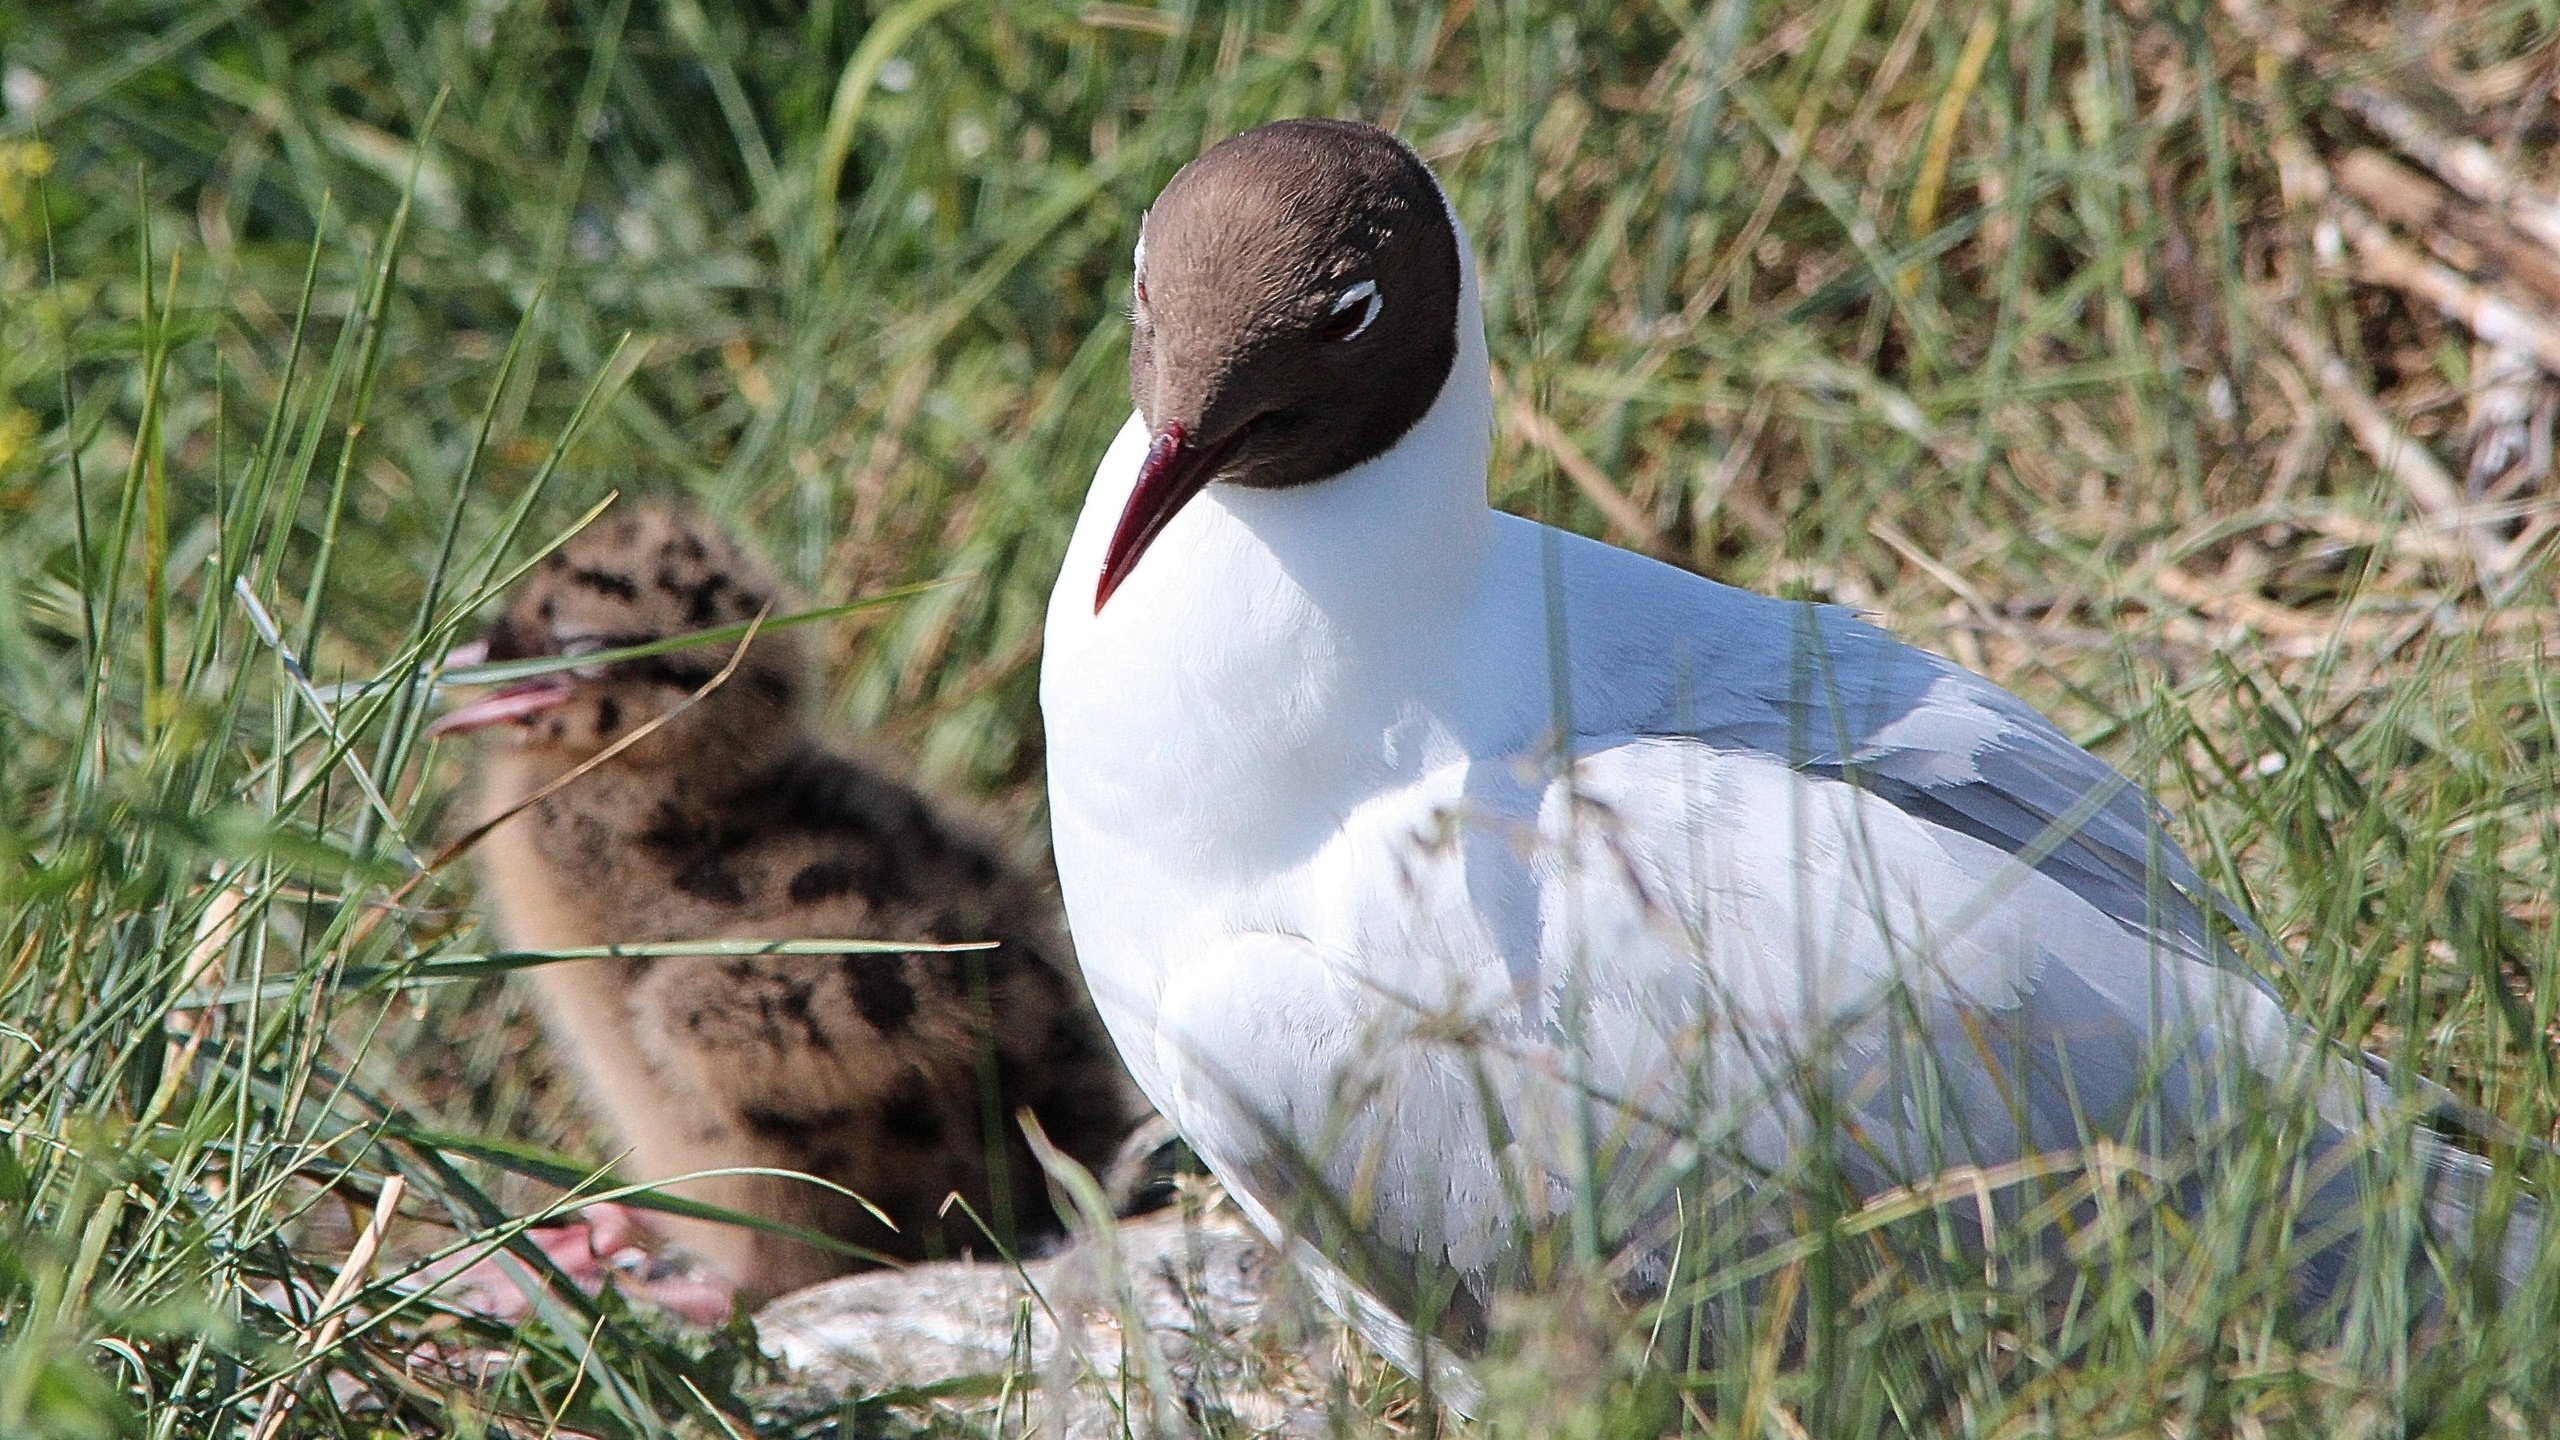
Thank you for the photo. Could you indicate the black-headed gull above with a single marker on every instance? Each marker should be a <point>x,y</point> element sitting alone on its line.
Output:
<point>1471,893</point>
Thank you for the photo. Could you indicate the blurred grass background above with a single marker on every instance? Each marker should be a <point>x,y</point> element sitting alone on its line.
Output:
<point>2000,322</point>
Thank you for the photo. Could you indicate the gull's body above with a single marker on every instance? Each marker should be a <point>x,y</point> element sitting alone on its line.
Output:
<point>1484,878</point>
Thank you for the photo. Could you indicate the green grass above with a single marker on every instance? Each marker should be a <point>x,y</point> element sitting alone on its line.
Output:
<point>1917,307</point>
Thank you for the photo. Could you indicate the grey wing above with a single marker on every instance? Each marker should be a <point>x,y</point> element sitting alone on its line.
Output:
<point>1951,748</point>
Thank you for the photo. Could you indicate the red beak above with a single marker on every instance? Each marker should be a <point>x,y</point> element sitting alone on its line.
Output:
<point>1173,472</point>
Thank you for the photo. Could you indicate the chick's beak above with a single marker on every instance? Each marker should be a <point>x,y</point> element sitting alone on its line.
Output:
<point>508,702</point>
<point>511,702</point>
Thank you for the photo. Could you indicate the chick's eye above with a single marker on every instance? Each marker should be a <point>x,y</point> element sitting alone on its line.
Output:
<point>1142,289</point>
<point>1353,311</point>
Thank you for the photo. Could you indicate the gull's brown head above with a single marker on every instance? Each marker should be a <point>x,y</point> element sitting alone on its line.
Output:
<point>1295,313</point>
<point>629,579</point>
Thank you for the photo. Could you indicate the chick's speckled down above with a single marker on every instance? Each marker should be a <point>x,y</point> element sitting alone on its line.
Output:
<point>896,1076</point>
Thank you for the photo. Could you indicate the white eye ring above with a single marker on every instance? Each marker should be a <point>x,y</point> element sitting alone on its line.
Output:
<point>1138,265</point>
<point>1365,293</point>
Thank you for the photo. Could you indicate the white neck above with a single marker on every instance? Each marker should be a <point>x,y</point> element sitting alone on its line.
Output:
<point>1391,530</point>
<point>1274,633</point>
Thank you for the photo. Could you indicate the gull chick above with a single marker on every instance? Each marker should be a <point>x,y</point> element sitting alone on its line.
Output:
<point>897,1077</point>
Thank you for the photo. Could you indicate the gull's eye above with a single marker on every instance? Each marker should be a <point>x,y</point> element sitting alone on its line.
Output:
<point>572,647</point>
<point>1353,310</point>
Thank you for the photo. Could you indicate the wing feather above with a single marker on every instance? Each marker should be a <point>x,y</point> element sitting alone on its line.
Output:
<point>1828,694</point>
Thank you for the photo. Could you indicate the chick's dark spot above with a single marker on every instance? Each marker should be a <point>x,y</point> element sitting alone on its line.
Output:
<point>608,716</point>
<point>508,640</point>
<point>605,582</point>
<point>1010,1079</point>
<point>1068,1042</point>
<point>591,838</point>
<point>821,880</point>
<point>1078,1117</point>
<point>671,829</point>
<point>962,972</point>
<point>909,1116</point>
<point>791,1002</point>
<point>710,880</point>
<point>950,969</point>
<point>701,599</point>
<point>681,674</point>
<point>882,995</point>
<point>783,1127</point>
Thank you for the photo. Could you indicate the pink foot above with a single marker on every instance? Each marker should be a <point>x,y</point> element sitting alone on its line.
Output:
<point>602,1242</point>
